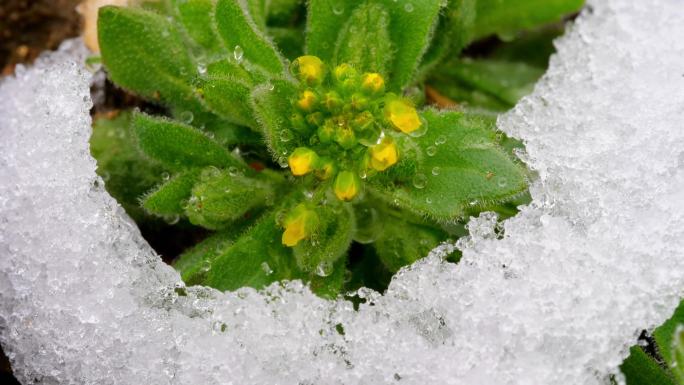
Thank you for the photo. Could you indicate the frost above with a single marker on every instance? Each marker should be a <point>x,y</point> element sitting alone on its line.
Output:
<point>598,255</point>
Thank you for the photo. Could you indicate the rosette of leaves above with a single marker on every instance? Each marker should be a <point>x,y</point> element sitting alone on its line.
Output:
<point>238,112</point>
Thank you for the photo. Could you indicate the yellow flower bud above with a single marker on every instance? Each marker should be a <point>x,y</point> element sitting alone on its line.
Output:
<point>403,115</point>
<point>343,72</point>
<point>384,154</point>
<point>373,83</point>
<point>302,161</point>
<point>299,224</point>
<point>344,136</point>
<point>307,101</point>
<point>326,169</point>
<point>346,185</point>
<point>310,69</point>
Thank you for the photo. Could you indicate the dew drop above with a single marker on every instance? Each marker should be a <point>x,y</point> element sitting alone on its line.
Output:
<point>421,130</point>
<point>431,151</point>
<point>186,117</point>
<point>324,269</point>
<point>238,53</point>
<point>266,268</point>
<point>419,181</point>
<point>165,175</point>
<point>440,140</point>
<point>428,201</point>
<point>282,162</point>
<point>436,170</point>
<point>233,171</point>
<point>501,182</point>
<point>270,86</point>
<point>286,135</point>
<point>408,7</point>
<point>201,69</point>
<point>338,9</point>
<point>172,220</point>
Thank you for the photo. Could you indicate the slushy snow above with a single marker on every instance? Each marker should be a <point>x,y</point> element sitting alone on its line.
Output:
<point>597,257</point>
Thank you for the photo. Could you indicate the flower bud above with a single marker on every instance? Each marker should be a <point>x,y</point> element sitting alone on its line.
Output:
<point>326,132</point>
<point>315,119</point>
<point>298,122</point>
<point>344,136</point>
<point>359,101</point>
<point>299,224</point>
<point>384,154</point>
<point>332,101</point>
<point>346,185</point>
<point>402,115</point>
<point>307,101</point>
<point>326,169</point>
<point>309,69</point>
<point>302,161</point>
<point>373,83</point>
<point>344,72</point>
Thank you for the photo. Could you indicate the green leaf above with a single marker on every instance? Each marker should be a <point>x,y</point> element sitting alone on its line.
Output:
<point>368,23</point>
<point>144,53</point>
<point>272,110</point>
<point>486,83</point>
<point>665,334</point>
<point>459,167</point>
<point>239,32</point>
<point>505,17</point>
<point>126,171</point>
<point>677,364</point>
<point>401,242</point>
<point>640,369</point>
<point>410,29</point>
<point>220,197</point>
<point>229,98</point>
<point>179,146</point>
<point>196,17</point>
<point>167,199</point>
<point>194,264</point>
<point>330,241</point>
<point>256,259</point>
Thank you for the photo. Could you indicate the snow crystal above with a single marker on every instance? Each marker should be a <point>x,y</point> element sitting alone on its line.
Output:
<point>597,256</point>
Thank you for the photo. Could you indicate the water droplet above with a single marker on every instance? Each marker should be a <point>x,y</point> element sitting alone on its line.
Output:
<point>428,201</point>
<point>363,174</point>
<point>172,220</point>
<point>165,175</point>
<point>201,69</point>
<point>238,53</point>
<point>266,268</point>
<point>431,151</point>
<point>286,135</point>
<point>282,162</point>
<point>233,171</point>
<point>186,117</point>
<point>436,170</point>
<point>421,130</point>
<point>501,181</point>
<point>419,181</point>
<point>324,269</point>
<point>440,140</point>
<point>338,9</point>
<point>408,7</point>
<point>270,86</point>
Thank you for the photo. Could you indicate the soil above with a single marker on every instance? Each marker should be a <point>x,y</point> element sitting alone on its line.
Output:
<point>29,27</point>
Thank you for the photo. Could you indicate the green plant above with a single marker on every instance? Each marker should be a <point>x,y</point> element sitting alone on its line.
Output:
<point>289,160</point>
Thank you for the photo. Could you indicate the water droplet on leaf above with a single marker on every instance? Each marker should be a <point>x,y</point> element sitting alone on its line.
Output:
<point>419,181</point>
<point>238,53</point>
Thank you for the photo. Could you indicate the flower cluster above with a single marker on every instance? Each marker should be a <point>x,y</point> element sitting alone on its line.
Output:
<point>351,124</point>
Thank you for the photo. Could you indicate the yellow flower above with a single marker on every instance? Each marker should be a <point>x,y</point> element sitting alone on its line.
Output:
<point>373,82</point>
<point>402,115</point>
<point>307,100</point>
<point>384,154</point>
<point>299,224</point>
<point>346,185</point>
<point>310,69</point>
<point>301,161</point>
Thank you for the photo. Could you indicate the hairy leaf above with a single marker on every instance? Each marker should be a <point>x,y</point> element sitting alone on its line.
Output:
<point>410,29</point>
<point>367,23</point>
<point>330,241</point>
<point>167,199</point>
<point>229,98</point>
<point>179,146</point>
<point>459,166</point>
<point>272,109</point>
<point>401,242</point>
<point>640,369</point>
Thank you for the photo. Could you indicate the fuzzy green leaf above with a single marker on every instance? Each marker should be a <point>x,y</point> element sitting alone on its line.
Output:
<point>368,23</point>
<point>179,146</point>
<point>401,242</point>
<point>459,166</point>
<point>224,196</point>
<point>196,17</point>
<point>330,241</point>
<point>229,98</point>
<point>410,29</point>
<point>505,17</point>
<point>144,52</point>
<point>640,369</point>
<point>240,32</point>
<point>195,262</point>
<point>167,199</point>
<point>272,110</point>
<point>126,171</point>
<point>664,335</point>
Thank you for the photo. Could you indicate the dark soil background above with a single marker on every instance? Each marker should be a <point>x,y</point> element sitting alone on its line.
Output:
<point>27,28</point>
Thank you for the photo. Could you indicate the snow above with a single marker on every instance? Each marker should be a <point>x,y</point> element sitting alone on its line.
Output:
<point>597,257</point>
